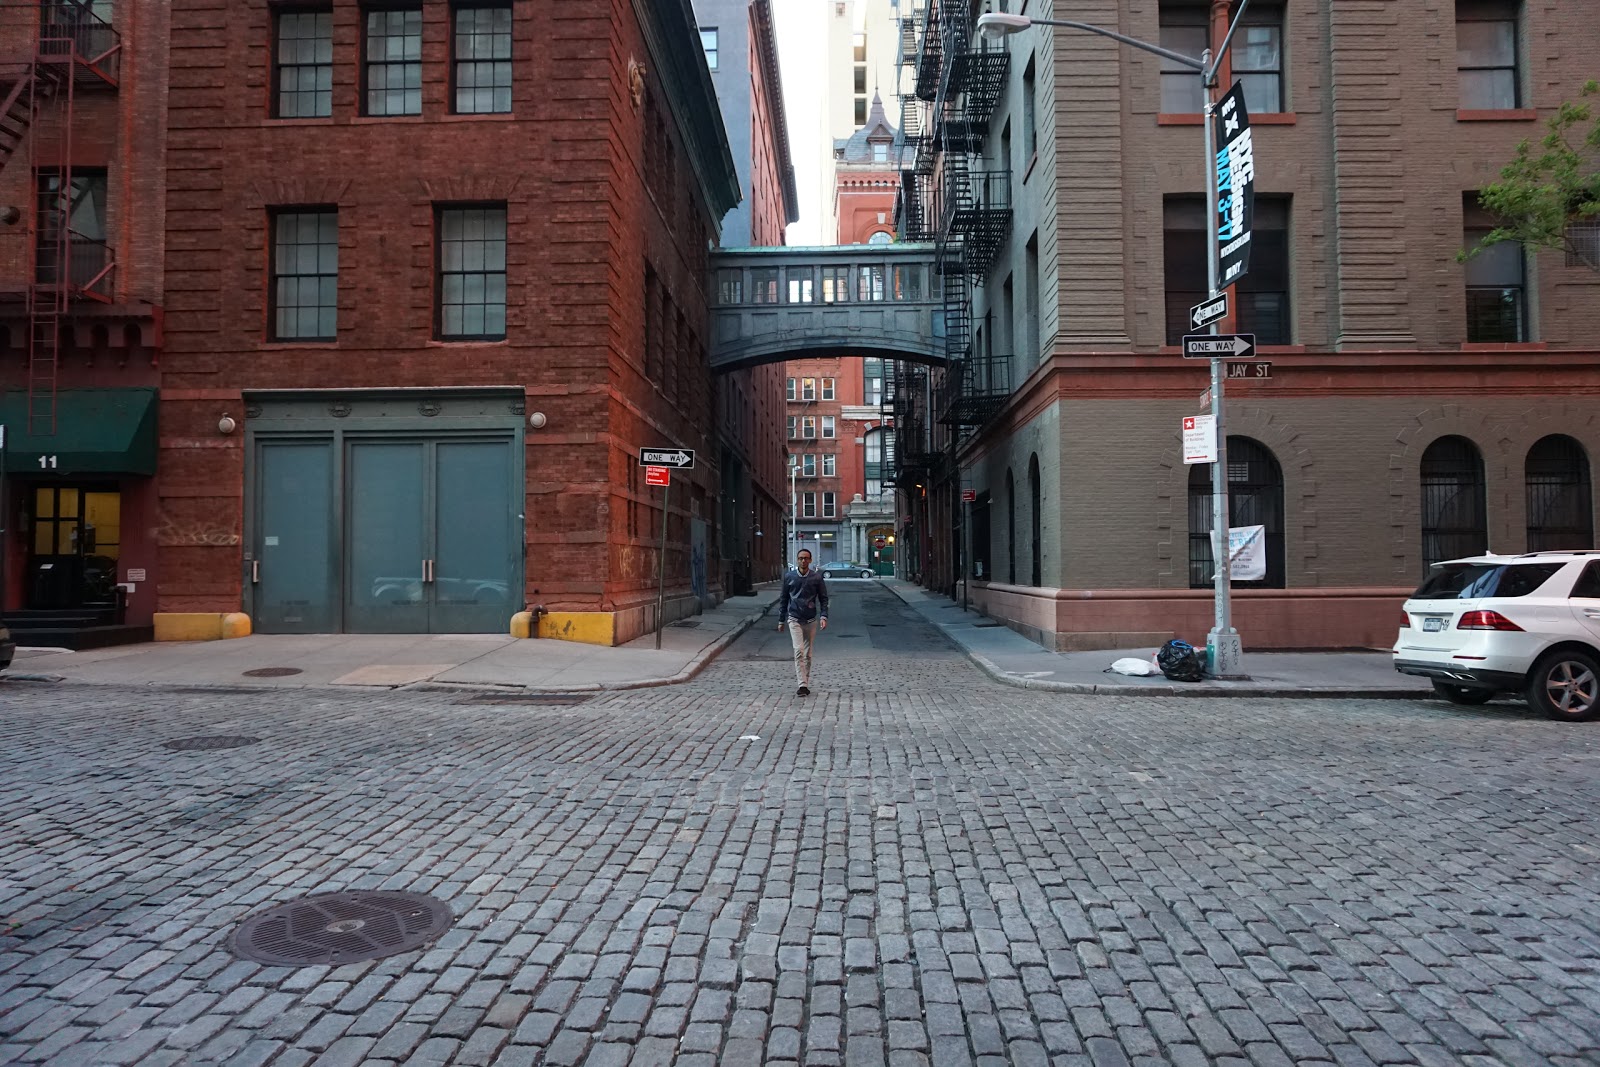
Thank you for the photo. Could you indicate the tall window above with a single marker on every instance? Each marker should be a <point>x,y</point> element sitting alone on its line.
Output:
<point>858,55</point>
<point>808,427</point>
<point>793,421</point>
<point>790,388</point>
<point>1030,325</point>
<point>835,285</point>
<point>1183,30</point>
<point>1030,120</point>
<point>80,210</point>
<point>483,58</point>
<point>1036,516</point>
<point>800,286</point>
<point>1263,306</point>
<point>393,67</point>
<point>872,382</point>
<point>808,505</point>
<point>827,388</point>
<point>472,273</point>
<point>1257,52</point>
<point>874,462</point>
<point>1011,529</point>
<point>827,426</point>
<point>1496,283</point>
<point>1255,498</point>
<point>1486,54</point>
<point>808,388</point>
<point>871,284</point>
<point>830,506</point>
<point>305,275</point>
<point>302,65</point>
<point>1560,510</point>
<point>709,45</point>
<point>830,465</point>
<point>764,285</point>
<point>808,465</point>
<point>1454,513</point>
<point>730,287</point>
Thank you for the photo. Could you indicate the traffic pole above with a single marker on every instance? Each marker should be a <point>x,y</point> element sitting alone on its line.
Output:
<point>661,589</point>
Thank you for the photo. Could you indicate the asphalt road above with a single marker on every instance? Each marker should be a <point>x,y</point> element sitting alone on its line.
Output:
<point>914,865</point>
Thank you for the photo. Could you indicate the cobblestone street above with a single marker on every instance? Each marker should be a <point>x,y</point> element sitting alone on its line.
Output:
<point>914,865</point>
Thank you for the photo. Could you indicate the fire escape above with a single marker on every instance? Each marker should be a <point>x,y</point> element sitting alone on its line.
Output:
<point>60,46</point>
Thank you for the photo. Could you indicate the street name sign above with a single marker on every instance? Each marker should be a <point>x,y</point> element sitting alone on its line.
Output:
<point>658,476</point>
<point>1204,314</point>
<point>1236,176</point>
<point>1219,345</point>
<point>1199,439</point>
<point>681,458</point>
<point>1248,370</point>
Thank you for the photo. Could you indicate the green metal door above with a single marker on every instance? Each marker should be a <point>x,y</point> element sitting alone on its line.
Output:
<point>476,573</point>
<point>386,537</point>
<point>295,584</point>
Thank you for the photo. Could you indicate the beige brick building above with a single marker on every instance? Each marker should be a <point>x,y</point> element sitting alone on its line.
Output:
<point>1418,408</point>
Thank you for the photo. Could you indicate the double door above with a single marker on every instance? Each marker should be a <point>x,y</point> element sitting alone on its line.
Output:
<point>386,535</point>
<point>73,546</point>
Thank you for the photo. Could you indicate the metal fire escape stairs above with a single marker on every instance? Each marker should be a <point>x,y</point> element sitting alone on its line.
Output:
<point>72,45</point>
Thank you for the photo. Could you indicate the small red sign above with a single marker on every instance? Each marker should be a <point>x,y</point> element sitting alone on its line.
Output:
<point>658,476</point>
<point>968,496</point>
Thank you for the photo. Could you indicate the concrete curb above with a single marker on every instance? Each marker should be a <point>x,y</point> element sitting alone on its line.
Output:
<point>1168,689</point>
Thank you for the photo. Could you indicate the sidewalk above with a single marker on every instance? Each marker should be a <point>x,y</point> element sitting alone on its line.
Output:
<point>400,660</point>
<point>1008,657</point>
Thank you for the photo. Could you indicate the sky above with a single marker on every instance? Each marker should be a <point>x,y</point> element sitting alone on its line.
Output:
<point>800,26</point>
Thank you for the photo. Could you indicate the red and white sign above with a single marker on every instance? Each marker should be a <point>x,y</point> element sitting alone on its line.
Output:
<point>658,476</point>
<point>1199,438</point>
<point>968,496</point>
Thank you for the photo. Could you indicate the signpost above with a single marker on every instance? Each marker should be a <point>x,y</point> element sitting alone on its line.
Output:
<point>658,464</point>
<point>1219,345</point>
<point>1208,311</point>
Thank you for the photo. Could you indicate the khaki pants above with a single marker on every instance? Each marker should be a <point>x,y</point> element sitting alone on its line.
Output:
<point>803,635</point>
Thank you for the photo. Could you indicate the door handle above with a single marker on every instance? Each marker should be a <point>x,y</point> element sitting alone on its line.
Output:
<point>255,572</point>
<point>427,570</point>
<point>1592,613</point>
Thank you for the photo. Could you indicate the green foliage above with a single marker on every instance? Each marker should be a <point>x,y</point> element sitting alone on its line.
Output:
<point>1550,186</point>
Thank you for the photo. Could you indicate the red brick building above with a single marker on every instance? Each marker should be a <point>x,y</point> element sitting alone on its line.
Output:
<point>83,93</point>
<point>435,275</point>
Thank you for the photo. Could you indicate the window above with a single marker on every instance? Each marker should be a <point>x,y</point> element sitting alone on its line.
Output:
<point>81,212</point>
<point>882,237</point>
<point>871,284</point>
<point>830,467</point>
<point>835,285</point>
<point>789,387</point>
<point>980,539</point>
<point>302,68</point>
<point>808,505</point>
<point>1257,51</point>
<point>872,382</point>
<point>1011,529</point>
<point>730,287</point>
<point>808,426</point>
<point>304,294</point>
<point>827,388</point>
<point>393,66</point>
<point>708,44</point>
<point>1036,514</point>
<point>808,465</point>
<point>1454,522</point>
<point>1262,303</point>
<point>1486,54</point>
<point>1560,512</point>
<point>1030,122</point>
<point>1030,324</point>
<point>1255,498</point>
<point>861,81</point>
<point>858,48</point>
<point>764,285</point>
<point>907,282</point>
<point>861,111</point>
<point>827,426</point>
<point>830,505</point>
<point>1496,283</point>
<point>482,67</point>
<point>800,291</point>
<point>472,273</point>
<point>792,421</point>
<point>808,388</point>
<point>1183,30</point>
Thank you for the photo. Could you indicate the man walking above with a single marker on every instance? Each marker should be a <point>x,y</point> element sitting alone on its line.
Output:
<point>803,608</point>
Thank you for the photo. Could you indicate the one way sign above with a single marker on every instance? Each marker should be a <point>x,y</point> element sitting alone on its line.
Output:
<point>1210,311</point>
<point>681,458</point>
<point>1219,346</point>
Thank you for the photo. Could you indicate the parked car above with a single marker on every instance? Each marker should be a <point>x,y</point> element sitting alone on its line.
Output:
<point>1527,624</point>
<point>840,569</point>
<point>8,647</point>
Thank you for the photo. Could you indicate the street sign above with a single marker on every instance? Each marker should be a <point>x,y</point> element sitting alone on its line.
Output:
<point>968,496</point>
<point>1219,346</point>
<point>658,476</point>
<point>1199,439</point>
<point>1204,314</point>
<point>1247,370</point>
<point>1236,174</point>
<point>1205,399</point>
<point>681,458</point>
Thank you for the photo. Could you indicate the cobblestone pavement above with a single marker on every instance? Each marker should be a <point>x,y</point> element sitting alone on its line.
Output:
<point>915,865</point>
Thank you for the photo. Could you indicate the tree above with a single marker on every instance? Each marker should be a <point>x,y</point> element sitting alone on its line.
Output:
<point>1549,195</point>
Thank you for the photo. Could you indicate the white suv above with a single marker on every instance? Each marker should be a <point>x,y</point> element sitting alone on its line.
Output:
<point>1526,624</point>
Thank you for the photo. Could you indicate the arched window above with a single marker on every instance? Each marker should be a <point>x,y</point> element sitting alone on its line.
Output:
<point>1560,514</point>
<point>1011,529</point>
<point>1454,515</point>
<point>1255,498</point>
<point>1038,519</point>
<point>882,237</point>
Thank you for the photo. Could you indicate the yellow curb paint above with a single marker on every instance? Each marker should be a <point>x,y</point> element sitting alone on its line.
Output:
<point>588,627</point>
<point>522,624</point>
<point>235,624</point>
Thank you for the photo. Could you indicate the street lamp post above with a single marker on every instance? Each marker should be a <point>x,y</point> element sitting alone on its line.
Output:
<point>1222,643</point>
<point>794,513</point>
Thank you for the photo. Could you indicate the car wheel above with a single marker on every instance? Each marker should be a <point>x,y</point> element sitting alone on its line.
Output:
<point>866,574</point>
<point>1463,694</point>
<point>1566,685</point>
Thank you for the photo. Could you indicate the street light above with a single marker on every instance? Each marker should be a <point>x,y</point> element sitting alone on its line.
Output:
<point>1222,643</point>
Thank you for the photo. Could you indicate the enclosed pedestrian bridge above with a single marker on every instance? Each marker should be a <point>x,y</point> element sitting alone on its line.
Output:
<point>775,304</point>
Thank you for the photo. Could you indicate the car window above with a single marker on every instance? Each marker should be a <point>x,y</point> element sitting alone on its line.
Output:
<point>1588,584</point>
<point>1472,581</point>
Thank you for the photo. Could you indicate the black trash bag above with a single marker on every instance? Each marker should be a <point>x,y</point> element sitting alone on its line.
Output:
<point>1181,661</point>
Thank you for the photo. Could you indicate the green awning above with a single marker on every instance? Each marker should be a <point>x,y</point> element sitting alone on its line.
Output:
<point>98,431</point>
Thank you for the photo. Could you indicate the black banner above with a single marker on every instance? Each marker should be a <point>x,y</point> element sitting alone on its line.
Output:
<point>1236,172</point>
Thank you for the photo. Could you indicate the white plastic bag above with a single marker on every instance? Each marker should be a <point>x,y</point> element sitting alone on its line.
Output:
<point>1142,668</point>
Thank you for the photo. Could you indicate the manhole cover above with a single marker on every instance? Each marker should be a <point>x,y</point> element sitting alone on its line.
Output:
<point>533,699</point>
<point>272,672</point>
<point>335,928</point>
<point>209,744</point>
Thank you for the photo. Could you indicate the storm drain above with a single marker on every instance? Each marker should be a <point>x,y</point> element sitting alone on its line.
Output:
<point>537,700</point>
<point>272,672</point>
<point>209,744</point>
<point>336,928</point>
